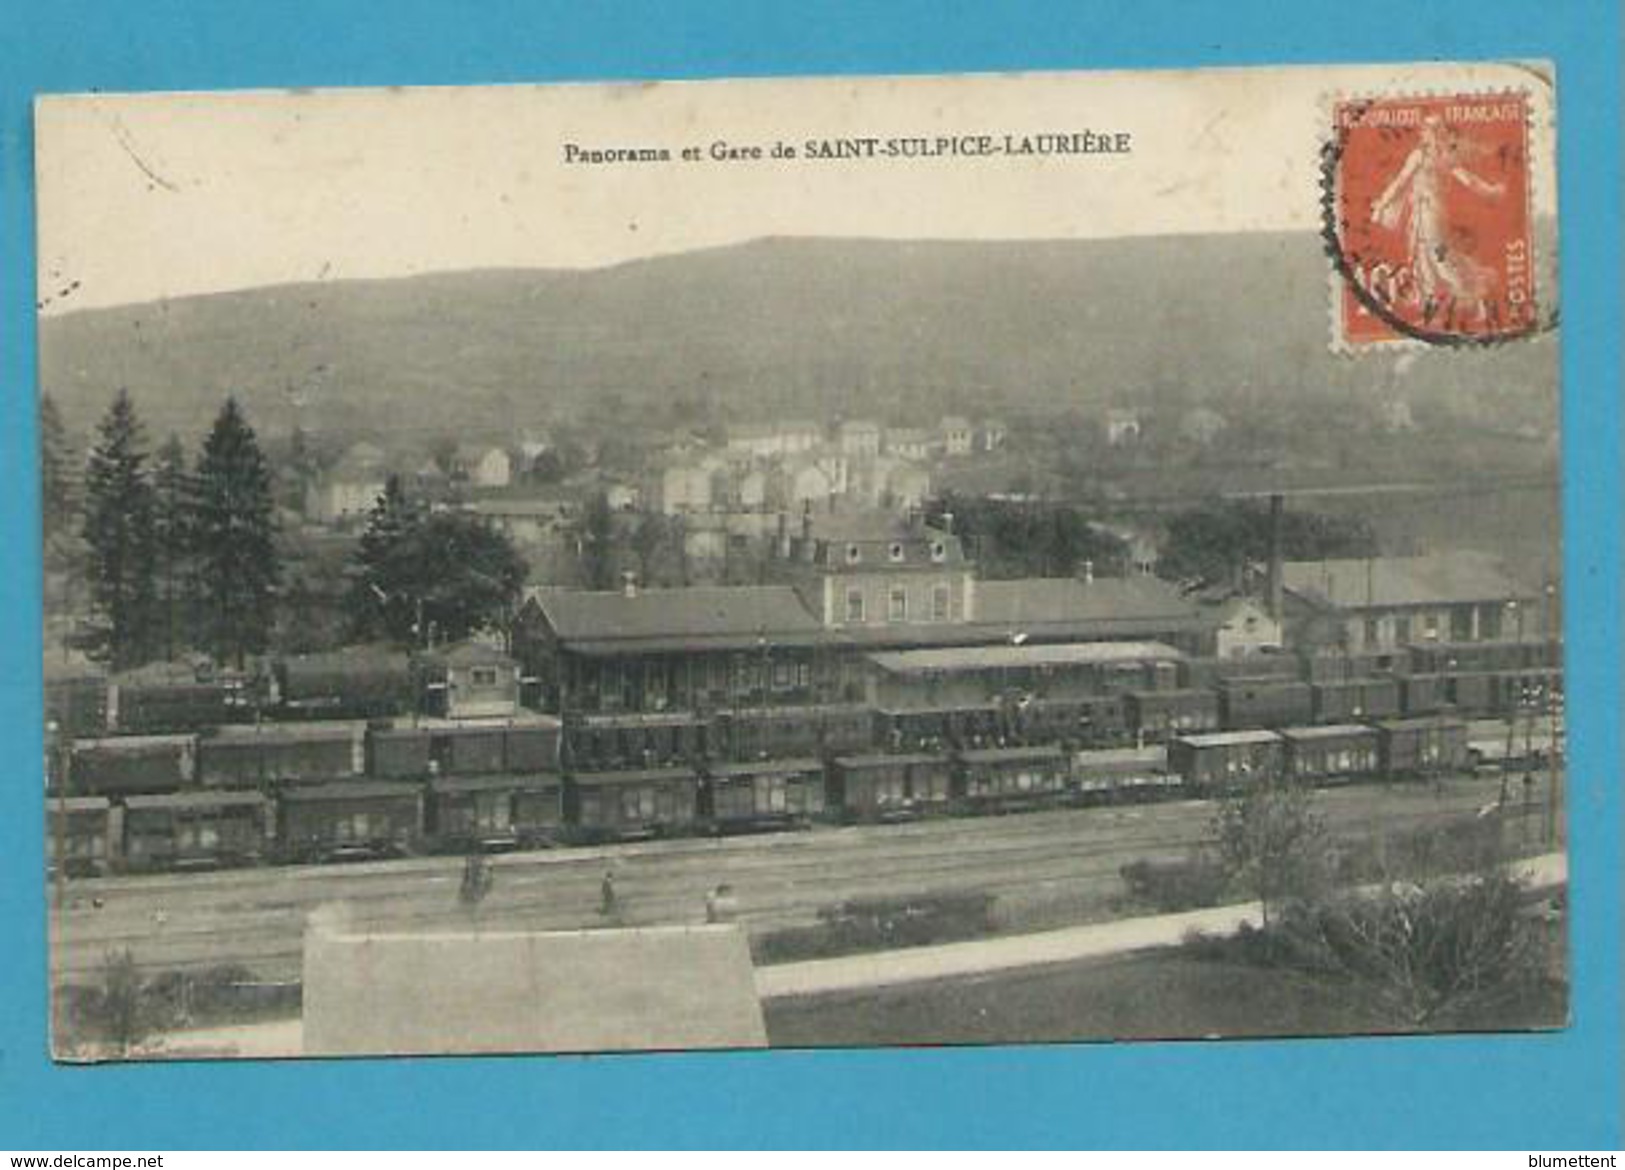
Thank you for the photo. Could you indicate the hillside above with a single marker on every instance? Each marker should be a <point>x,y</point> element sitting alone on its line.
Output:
<point>802,326</point>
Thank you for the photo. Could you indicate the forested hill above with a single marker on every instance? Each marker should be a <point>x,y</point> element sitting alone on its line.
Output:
<point>799,326</point>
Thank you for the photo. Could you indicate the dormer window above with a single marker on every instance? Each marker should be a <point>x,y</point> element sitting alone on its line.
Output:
<point>939,551</point>
<point>896,551</point>
<point>853,554</point>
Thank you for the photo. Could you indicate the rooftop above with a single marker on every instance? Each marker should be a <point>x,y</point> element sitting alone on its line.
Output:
<point>676,618</point>
<point>193,801</point>
<point>1331,731</point>
<point>1034,602</point>
<point>1016,657</point>
<point>1379,582</point>
<point>1228,738</point>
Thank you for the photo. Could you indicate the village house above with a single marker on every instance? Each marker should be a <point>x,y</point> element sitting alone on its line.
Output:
<point>768,439</point>
<point>858,437</point>
<point>486,467</point>
<point>957,435</point>
<point>347,491</point>
<point>912,442</point>
<point>1122,427</point>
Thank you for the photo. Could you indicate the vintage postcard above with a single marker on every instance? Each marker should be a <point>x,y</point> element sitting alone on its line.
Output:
<point>794,563</point>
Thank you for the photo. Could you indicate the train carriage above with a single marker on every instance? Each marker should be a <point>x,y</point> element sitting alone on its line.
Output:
<point>195,830</point>
<point>933,728</point>
<point>1006,778</point>
<point>1226,759</point>
<point>249,757</point>
<point>766,793</point>
<point>501,811</point>
<point>1110,775</point>
<point>1099,719</point>
<point>532,746</point>
<point>1421,694</point>
<point>397,753</point>
<point>638,802</point>
<point>349,819</point>
<point>167,697</point>
<point>1333,754</point>
<point>124,764</point>
<point>625,741</point>
<point>1155,715</point>
<point>1355,699</point>
<point>85,830</point>
<point>885,787</point>
<point>759,733</point>
<point>357,682</point>
<point>1253,703</point>
<point>1422,746</point>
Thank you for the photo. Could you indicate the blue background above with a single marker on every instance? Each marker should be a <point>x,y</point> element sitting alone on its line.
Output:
<point>1532,1092</point>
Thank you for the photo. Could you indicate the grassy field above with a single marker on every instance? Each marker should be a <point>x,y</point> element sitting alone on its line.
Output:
<point>1149,996</point>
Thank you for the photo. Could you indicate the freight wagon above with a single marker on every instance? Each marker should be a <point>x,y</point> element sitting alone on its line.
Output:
<point>1158,714</point>
<point>249,757</point>
<point>765,793</point>
<point>1258,703</point>
<point>639,802</point>
<point>1421,747</point>
<point>348,820</point>
<point>500,811</point>
<point>1007,778</point>
<point>1362,698</point>
<point>133,764</point>
<point>357,682</point>
<point>195,830</point>
<point>86,830</point>
<point>1111,775</point>
<point>621,742</point>
<point>1329,755</point>
<point>887,787</point>
<point>1225,760</point>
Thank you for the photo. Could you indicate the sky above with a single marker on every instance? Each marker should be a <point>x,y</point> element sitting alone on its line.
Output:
<point>149,196</point>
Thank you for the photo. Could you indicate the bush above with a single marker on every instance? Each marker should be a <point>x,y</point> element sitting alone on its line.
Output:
<point>1170,886</point>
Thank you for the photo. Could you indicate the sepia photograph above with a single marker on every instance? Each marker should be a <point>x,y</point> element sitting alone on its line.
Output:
<point>799,563</point>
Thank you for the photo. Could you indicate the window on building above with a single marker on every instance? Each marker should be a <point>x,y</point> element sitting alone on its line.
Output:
<point>854,605</point>
<point>939,551</point>
<point>941,600</point>
<point>853,554</point>
<point>1402,631</point>
<point>1373,631</point>
<point>895,551</point>
<point>897,604</point>
<point>783,676</point>
<point>483,676</point>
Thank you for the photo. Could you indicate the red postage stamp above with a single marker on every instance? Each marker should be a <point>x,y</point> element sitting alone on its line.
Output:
<point>1428,220</point>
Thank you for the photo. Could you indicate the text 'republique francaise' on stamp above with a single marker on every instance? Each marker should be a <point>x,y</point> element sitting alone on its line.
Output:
<point>1427,220</point>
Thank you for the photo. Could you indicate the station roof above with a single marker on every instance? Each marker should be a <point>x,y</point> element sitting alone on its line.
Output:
<point>1015,657</point>
<point>704,617</point>
<point>1117,604</point>
<point>1151,757</point>
<point>243,734</point>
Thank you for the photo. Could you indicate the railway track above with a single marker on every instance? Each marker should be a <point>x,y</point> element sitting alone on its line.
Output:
<point>256,917</point>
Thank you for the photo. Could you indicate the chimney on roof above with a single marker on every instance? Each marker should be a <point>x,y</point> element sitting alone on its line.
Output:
<point>807,532</point>
<point>1273,584</point>
<point>629,583</point>
<point>947,522</point>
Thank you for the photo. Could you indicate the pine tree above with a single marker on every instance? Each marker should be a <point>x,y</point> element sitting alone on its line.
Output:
<point>384,594</point>
<point>175,508</point>
<point>59,488</point>
<point>119,534</point>
<point>234,538</point>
